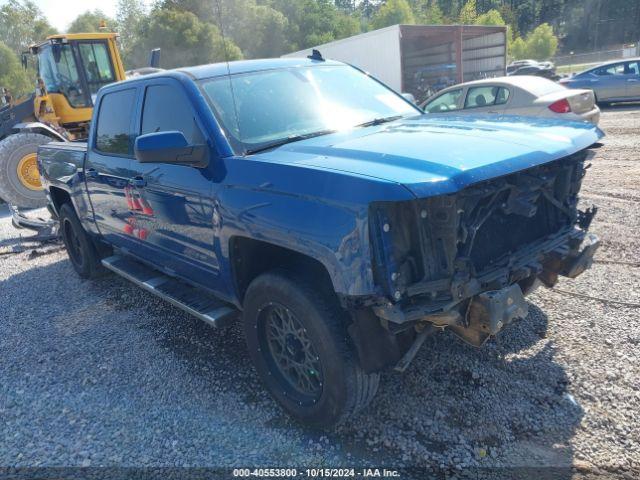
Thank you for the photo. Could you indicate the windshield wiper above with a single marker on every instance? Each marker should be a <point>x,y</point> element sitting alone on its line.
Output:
<point>379,121</point>
<point>290,139</point>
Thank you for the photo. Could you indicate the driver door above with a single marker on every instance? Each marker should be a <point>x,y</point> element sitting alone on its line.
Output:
<point>173,204</point>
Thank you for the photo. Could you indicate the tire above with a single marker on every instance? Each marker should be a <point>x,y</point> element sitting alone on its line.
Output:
<point>80,247</point>
<point>336,385</point>
<point>18,151</point>
<point>601,104</point>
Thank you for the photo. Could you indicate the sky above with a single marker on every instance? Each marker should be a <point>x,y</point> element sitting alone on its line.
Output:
<point>61,13</point>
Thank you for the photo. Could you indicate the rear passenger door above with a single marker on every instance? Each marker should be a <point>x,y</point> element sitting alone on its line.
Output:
<point>633,79</point>
<point>486,99</point>
<point>108,164</point>
<point>609,82</point>
<point>173,203</point>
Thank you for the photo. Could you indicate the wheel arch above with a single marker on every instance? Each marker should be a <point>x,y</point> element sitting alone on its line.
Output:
<point>59,197</point>
<point>249,258</point>
<point>39,127</point>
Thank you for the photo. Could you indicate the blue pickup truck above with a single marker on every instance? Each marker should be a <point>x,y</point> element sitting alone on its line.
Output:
<point>338,222</point>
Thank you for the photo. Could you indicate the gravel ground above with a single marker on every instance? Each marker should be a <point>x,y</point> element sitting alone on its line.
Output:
<point>100,373</point>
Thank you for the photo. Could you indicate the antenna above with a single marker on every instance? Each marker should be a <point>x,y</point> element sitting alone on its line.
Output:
<point>226,58</point>
<point>316,55</point>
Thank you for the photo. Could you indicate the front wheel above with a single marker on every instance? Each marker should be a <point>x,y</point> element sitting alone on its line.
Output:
<point>297,339</point>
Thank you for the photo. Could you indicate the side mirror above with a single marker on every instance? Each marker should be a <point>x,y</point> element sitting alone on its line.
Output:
<point>169,147</point>
<point>410,97</point>
<point>154,60</point>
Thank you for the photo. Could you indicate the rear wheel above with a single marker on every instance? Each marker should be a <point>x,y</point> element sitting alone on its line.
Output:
<point>80,247</point>
<point>600,103</point>
<point>299,345</point>
<point>19,176</point>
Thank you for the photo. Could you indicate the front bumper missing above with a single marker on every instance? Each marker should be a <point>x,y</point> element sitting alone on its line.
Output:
<point>47,228</point>
<point>481,314</point>
<point>571,265</point>
<point>490,312</point>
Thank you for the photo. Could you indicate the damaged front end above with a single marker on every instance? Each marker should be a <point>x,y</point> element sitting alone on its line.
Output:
<point>465,261</point>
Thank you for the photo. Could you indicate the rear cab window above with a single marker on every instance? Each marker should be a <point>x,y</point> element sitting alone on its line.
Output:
<point>114,134</point>
<point>486,96</point>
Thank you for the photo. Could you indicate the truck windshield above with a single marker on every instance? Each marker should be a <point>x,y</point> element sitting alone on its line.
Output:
<point>272,106</point>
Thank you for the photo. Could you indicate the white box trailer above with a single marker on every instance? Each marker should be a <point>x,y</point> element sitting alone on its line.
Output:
<point>422,59</point>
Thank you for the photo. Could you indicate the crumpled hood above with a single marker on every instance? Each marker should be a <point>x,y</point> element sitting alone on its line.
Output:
<point>443,154</point>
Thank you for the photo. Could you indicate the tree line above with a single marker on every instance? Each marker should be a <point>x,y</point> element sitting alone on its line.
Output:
<point>194,32</point>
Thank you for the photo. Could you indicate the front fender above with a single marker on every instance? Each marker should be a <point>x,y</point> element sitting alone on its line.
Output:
<point>317,213</point>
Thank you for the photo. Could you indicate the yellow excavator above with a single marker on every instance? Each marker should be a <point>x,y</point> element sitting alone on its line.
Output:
<point>71,69</point>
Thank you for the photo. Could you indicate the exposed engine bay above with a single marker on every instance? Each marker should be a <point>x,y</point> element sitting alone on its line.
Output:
<point>465,261</point>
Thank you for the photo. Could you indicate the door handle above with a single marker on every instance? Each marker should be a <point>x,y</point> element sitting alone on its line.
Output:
<point>633,80</point>
<point>91,173</point>
<point>138,182</point>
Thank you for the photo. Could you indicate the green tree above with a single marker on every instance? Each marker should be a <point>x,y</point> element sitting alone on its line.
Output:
<point>269,33</point>
<point>129,15</point>
<point>427,12</point>
<point>542,43</point>
<point>468,13</point>
<point>393,12</point>
<point>22,24</point>
<point>312,22</point>
<point>256,27</point>
<point>184,40</point>
<point>90,21</point>
<point>367,9</point>
<point>518,49</point>
<point>12,75</point>
<point>492,17</point>
<point>259,30</point>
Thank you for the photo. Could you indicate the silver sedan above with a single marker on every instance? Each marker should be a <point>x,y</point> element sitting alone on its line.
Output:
<point>617,81</point>
<point>517,95</point>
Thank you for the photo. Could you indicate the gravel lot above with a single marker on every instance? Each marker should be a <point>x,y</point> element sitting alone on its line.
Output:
<point>100,373</point>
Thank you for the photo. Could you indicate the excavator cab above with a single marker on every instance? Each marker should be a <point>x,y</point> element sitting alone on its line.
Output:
<point>71,70</point>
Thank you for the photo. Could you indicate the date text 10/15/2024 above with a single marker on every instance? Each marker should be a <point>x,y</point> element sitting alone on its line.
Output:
<point>316,473</point>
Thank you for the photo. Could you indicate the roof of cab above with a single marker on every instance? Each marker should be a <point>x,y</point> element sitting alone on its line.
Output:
<point>246,66</point>
<point>219,69</point>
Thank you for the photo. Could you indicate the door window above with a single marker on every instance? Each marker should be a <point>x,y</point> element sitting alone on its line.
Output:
<point>57,68</point>
<point>617,69</point>
<point>445,102</point>
<point>97,65</point>
<point>167,109</point>
<point>633,68</point>
<point>486,96</point>
<point>113,132</point>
